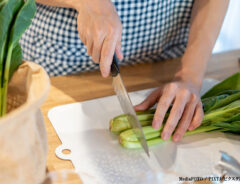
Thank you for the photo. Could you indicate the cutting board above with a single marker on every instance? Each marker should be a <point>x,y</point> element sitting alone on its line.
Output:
<point>83,128</point>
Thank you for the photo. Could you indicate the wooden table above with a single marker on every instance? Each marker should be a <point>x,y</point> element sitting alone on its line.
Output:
<point>85,86</point>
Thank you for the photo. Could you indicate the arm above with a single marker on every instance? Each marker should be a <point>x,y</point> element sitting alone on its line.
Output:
<point>99,28</point>
<point>183,92</point>
<point>206,21</point>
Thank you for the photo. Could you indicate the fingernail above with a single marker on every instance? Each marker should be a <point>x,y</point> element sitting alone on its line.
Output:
<point>176,138</point>
<point>155,125</point>
<point>190,128</point>
<point>165,136</point>
<point>105,74</point>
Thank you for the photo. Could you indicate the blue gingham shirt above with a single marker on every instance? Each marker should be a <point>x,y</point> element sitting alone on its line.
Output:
<point>153,30</point>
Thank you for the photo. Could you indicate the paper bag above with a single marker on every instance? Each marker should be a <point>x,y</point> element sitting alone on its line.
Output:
<point>23,140</point>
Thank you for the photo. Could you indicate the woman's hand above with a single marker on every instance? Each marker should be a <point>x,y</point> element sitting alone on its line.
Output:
<point>186,113</point>
<point>100,29</point>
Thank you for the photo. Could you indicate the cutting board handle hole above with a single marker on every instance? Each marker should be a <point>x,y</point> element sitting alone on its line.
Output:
<point>66,151</point>
<point>63,152</point>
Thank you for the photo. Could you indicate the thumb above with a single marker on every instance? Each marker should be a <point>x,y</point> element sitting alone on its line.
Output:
<point>107,53</point>
<point>150,101</point>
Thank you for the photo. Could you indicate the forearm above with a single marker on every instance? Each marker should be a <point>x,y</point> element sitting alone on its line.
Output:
<point>60,3</point>
<point>206,20</point>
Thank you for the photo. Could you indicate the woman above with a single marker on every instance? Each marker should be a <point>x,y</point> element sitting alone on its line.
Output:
<point>65,33</point>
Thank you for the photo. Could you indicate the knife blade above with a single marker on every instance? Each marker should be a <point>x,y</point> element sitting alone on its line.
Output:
<point>126,104</point>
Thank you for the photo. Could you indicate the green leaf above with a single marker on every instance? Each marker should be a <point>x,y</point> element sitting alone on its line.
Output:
<point>235,117</point>
<point>227,92</point>
<point>229,126</point>
<point>222,114</point>
<point>215,102</point>
<point>209,102</point>
<point>22,21</point>
<point>7,14</point>
<point>16,59</point>
<point>2,3</point>
<point>231,83</point>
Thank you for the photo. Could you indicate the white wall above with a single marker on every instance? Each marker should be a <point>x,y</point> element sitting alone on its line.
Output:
<point>229,37</point>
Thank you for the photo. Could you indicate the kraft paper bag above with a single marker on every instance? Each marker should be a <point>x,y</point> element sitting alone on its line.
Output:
<point>23,139</point>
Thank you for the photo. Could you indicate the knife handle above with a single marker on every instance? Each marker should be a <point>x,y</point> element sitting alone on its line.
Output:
<point>114,67</point>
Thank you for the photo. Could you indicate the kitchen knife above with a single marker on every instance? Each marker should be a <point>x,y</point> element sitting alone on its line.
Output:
<point>126,104</point>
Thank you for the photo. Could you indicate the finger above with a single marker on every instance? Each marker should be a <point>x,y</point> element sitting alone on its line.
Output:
<point>149,101</point>
<point>163,105</point>
<point>175,114</point>
<point>185,120</point>
<point>97,47</point>
<point>119,49</point>
<point>108,48</point>
<point>89,44</point>
<point>197,117</point>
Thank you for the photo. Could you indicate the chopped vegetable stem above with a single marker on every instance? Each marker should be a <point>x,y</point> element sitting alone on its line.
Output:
<point>222,114</point>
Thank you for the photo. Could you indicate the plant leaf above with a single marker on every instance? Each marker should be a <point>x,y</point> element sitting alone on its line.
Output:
<point>16,59</point>
<point>2,3</point>
<point>209,102</point>
<point>235,117</point>
<point>229,126</point>
<point>8,11</point>
<point>222,114</point>
<point>215,102</point>
<point>22,21</point>
<point>231,83</point>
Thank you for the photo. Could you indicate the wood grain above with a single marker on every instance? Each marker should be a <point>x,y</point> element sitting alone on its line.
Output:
<point>85,86</point>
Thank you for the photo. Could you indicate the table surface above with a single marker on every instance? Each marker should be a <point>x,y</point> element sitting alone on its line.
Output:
<point>90,85</point>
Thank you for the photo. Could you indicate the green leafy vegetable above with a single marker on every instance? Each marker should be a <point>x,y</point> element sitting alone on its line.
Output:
<point>121,123</point>
<point>8,11</point>
<point>231,83</point>
<point>16,59</point>
<point>129,140</point>
<point>15,17</point>
<point>221,114</point>
<point>216,102</point>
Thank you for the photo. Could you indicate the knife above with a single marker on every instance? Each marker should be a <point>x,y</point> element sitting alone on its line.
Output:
<point>126,104</point>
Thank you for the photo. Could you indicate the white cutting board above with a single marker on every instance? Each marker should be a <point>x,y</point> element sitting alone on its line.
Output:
<point>97,156</point>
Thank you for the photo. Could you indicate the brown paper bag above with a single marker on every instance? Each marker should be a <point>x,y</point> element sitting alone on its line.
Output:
<point>23,140</point>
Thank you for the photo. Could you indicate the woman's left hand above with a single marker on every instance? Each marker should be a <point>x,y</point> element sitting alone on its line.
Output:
<point>183,93</point>
<point>186,113</point>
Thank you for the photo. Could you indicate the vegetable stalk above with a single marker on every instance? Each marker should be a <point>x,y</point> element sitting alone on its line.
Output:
<point>221,106</point>
<point>129,140</point>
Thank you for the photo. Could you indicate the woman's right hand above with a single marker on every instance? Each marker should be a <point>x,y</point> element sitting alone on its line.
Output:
<point>100,29</point>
